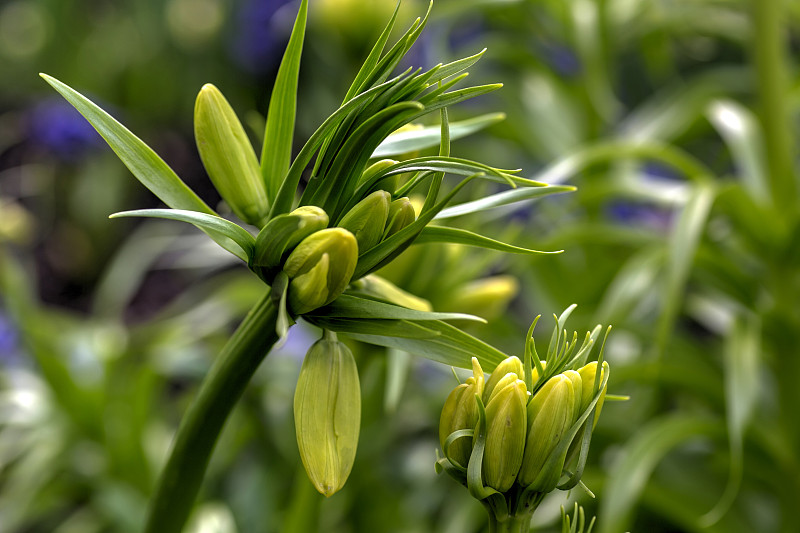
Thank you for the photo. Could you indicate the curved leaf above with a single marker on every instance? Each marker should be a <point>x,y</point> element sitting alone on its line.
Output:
<point>230,236</point>
<point>348,306</point>
<point>503,198</point>
<point>140,159</point>
<point>462,236</point>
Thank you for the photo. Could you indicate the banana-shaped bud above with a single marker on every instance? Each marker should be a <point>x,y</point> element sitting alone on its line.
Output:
<point>401,214</point>
<point>460,411</point>
<point>319,269</point>
<point>550,415</point>
<point>228,156</point>
<point>508,365</point>
<point>505,433</point>
<point>281,235</point>
<point>375,287</point>
<point>367,219</point>
<point>327,413</point>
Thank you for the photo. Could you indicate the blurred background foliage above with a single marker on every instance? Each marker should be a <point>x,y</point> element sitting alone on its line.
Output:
<point>676,120</point>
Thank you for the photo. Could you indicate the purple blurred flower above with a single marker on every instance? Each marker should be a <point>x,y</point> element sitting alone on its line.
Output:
<point>561,59</point>
<point>259,36</point>
<point>9,342</point>
<point>56,126</point>
<point>642,215</point>
<point>467,33</point>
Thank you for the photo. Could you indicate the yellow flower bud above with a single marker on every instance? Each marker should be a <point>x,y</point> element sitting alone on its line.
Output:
<point>588,374</point>
<point>550,415</point>
<point>374,286</point>
<point>505,434</point>
<point>460,411</point>
<point>228,156</point>
<point>508,365</point>
<point>327,413</point>
<point>320,267</point>
<point>486,297</point>
<point>367,219</point>
<point>577,391</point>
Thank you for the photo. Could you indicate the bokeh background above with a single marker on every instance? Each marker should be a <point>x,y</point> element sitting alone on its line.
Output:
<point>676,120</point>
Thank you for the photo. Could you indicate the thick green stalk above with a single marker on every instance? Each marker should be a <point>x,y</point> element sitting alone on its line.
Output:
<point>769,43</point>
<point>512,524</point>
<point>182,476</point>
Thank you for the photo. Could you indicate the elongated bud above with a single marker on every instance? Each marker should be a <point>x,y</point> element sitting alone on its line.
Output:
<point>281,235</point>
<point>375,287</point>
<point>508,365</point>
<point>577,391</point>
<point>550,414</point>
<point>506,428</point>
<point>588,374</point>
<point>460,411</point>
<point>327,413</point>
<point>228,156</point>
<point>486,297</point>
<point>367,219</point>
<point>387,184</point>
<point>320,267</point>
<point>401,214</point>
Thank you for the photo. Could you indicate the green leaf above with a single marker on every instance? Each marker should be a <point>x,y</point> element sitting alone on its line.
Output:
<point>462,236</point>
<point>502,199</point>
<point>230,236</point>
<point>348,306</point>
<point>682,246</point>
<point>409,141</point>
<point>637,461</point>
<point>739,128</point>
<point>140,159</point>
<point>742,353</point>
<point>433,340</point>
<point>372,59</point>
<point>451,69</point>
<point>277,151</point>
<point>398,364</point>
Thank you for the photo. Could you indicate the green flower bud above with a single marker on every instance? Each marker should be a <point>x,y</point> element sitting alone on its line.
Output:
<point>367,219</point>
<point>320,267</point>
<point>588,374</point>
<point>509,365</point>
<point>387,184</point>
<point>460,411</point>
<point>281,235</point>
<point>327,413</point>
<point>505,434</point>
<point>577,391</point>
<point>401,214</point>
<point>375,287</point>
<point>550,415</point>
<point>486,297</point>
<point>228,156</point>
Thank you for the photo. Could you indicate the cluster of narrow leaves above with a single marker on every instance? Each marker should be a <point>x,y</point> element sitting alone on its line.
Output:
<point>343,151</point>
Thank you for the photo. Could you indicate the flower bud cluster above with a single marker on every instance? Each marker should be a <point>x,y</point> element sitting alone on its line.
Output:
<point>529,438</point>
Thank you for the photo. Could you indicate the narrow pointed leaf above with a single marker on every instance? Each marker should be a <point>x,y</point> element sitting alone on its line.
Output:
<point>348,306</point>
<point>372,59</point>
<point>140,159</point>
<point>277,151</point>
<point>230,236</point>
<point>502,199</point>
<point>410,141</point>
<point>462,236</point>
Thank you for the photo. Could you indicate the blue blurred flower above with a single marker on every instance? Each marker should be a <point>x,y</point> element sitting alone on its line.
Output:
<point>640,215</point>
<point>9,342</point>
<point>561,59</point>
<point>259,36</point>
<point>56,126</point>
<point>468,33</point>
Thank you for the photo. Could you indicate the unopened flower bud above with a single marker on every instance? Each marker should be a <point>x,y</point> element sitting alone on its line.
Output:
<point>327,413</point>
<point>375,287</point>
<point>367,219</point>
<point>577,391</point>
<point>486,297</point>
<point>460,411</point>
<point>228,156</point>
<point>588,374</point>
<point>320,267</point>
<point>281,235</point>
<point>508,365</point>
<point>550,415</point>
<point>505,434</point>
<point>401,214</point>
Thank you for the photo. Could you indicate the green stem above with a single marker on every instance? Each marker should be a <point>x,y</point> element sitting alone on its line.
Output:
<point>769,42</point>
<point>511,524</point>
<point>182,476</point>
